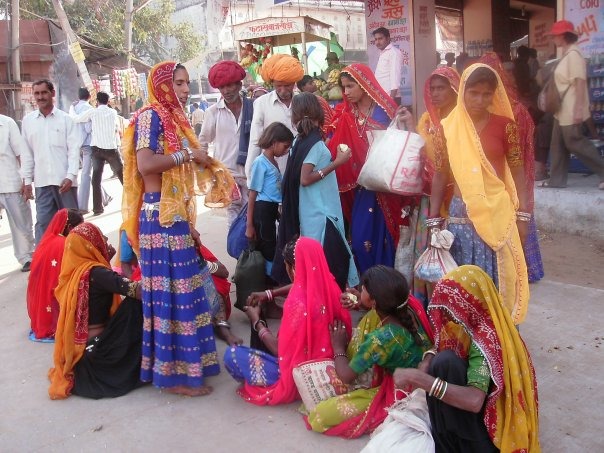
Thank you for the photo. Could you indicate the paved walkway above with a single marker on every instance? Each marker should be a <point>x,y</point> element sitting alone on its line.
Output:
<point>563,331</point>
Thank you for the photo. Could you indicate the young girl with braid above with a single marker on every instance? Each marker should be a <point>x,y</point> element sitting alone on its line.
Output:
<point>394,331</point>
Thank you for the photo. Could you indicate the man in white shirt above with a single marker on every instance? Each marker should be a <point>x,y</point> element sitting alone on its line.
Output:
<point>85,150</point>
<point>104,146</point>
<point>283,71</point>
<point>12,198</point>
<point>227,124</point>
<point>389,69</point>
<point>197,118</point>
<point>51,158</point>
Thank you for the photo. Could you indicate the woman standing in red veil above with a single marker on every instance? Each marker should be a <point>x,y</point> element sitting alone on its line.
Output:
<point>374,219</point>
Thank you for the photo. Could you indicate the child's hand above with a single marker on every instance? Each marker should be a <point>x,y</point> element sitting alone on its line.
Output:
<point>344,153</point>
<point>339,336</point>
<point>250,233</point>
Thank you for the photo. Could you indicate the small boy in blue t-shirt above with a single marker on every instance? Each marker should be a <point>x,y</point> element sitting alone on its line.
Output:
<point>265,191</point>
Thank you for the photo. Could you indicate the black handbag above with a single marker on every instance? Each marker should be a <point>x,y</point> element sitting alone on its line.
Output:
<point>249,275</point>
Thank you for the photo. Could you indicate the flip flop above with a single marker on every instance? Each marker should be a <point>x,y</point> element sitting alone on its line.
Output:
<point>546,184</point>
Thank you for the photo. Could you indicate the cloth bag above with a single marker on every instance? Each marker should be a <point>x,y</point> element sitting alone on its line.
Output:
<point>318,381</point>
<point>406,429</point>
<point>436,261</point>
<point>249,275</point>
<point>549,99</point>
<point>394,163</point>
<point>236,240</point>
<point>405,249</point>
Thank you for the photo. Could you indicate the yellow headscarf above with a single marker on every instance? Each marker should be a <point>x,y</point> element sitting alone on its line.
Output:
<point>491,203</point>
<point>179,184</point>
<point>85,248</point>
<point>466,308</point>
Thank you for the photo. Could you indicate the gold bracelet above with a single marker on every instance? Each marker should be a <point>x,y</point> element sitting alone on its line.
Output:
<point>429,352</point>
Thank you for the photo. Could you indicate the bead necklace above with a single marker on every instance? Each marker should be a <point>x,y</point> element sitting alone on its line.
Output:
<point>362,121</point>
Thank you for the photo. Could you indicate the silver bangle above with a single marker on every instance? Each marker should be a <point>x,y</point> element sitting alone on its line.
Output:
<point>178,157</point>
<point>212,266</point>
<point>321,174</point>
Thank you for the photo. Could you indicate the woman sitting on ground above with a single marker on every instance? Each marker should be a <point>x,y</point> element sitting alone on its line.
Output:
<point>398,338</point>
<point>220,275</point>
<point>98,341</point>
<point>42,306</point>
<point>312,305</point>
<point>481,386</point>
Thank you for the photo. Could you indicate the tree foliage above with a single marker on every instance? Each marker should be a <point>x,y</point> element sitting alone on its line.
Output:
<point>101,22</point>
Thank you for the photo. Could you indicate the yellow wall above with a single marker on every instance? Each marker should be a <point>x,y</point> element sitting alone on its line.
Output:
<point>540,23</point>
<point>477,23</point>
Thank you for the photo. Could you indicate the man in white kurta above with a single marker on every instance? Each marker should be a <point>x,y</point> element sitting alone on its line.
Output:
<point>12,198</point>
<point>283,71</point>
<point>389,69</point>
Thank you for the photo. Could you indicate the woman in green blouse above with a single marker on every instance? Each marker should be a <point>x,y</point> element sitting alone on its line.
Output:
<point>395,331</point>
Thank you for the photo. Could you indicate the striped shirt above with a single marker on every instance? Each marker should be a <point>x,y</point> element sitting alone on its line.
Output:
<point>104,126</point>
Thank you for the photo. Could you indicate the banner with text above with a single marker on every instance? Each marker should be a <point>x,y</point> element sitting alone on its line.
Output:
<point>588,18</point>
<point>395,15</point>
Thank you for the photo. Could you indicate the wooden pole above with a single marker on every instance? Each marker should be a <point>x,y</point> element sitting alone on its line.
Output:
<point>15,61</point>
<point>74,48</point>
<point>128,47</point>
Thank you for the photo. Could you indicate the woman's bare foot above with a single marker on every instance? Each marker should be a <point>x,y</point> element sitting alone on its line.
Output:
<point>189,391</point>
<point>225,334</point>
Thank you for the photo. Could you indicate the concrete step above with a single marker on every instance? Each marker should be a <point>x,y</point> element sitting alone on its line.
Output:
<point>576,209</point>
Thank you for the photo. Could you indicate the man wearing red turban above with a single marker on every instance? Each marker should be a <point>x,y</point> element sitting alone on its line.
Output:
<point>227,123</point>
<point>283,71</point>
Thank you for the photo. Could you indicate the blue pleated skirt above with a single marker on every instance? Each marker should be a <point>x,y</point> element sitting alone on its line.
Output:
<point>178,339</point>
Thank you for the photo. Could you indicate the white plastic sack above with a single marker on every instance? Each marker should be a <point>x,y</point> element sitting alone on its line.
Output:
<point>405,250</point>
<point>406,429</point>
<point>394,163</point>
<point>436,261</point>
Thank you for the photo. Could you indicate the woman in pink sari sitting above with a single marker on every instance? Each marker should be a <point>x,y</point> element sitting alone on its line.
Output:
<point>312,305</point>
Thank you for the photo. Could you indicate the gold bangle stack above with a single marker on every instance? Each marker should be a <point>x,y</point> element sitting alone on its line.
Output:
<point>438,389</point>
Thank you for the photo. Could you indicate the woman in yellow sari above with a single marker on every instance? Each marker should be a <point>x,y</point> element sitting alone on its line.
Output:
<point>480,380</point>
<point>161,154</point>
<point>488,213</point>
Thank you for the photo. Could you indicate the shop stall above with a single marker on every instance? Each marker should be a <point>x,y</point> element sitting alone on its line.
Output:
<point>282,31</point>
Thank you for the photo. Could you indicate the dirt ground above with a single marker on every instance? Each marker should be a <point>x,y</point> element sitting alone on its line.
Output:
<point>571,259</point>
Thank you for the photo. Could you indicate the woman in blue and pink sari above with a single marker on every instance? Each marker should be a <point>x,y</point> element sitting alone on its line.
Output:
<point>374,219</point>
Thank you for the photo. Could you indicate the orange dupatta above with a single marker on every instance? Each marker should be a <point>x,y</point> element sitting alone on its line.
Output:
<point>85,248</point>
<point>178,183</point>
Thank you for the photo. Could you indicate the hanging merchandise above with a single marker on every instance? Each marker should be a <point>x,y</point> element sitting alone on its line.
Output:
<point>142,83</point>
<point>125,82</point>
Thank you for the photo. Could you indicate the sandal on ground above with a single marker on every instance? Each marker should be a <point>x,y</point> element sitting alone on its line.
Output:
<point>541,176</point>
<point>548,185</point>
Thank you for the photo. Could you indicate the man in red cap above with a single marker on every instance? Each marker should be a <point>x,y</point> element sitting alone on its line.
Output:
<point>570,76</point>
<point>227,123</point>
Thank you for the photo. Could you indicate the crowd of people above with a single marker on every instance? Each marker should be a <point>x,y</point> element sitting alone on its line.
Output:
<point>328,244</point>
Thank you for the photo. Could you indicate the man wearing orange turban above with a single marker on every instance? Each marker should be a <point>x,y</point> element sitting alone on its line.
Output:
<point>283,71</point>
